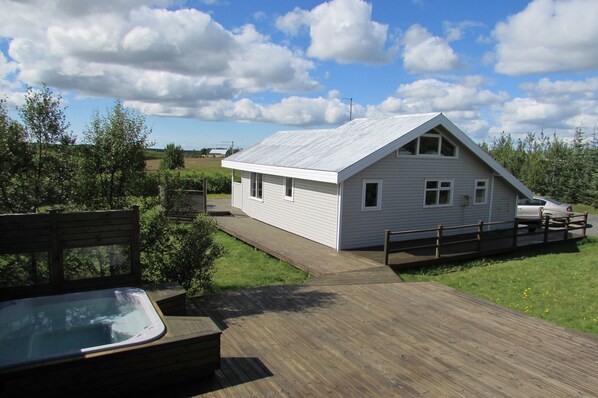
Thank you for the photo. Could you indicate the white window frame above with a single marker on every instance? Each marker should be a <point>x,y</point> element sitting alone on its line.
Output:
<point>378,206</point>
<point>437,190</point>
<point>285,186</point>
<point>430,155</point>
<point>475,191</point>
<point>256,186</point>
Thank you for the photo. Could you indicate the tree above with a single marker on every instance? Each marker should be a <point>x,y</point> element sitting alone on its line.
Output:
<point>174,158</point>
<point>45,125</point>
<point>114,162</point>
<point>15,164</point>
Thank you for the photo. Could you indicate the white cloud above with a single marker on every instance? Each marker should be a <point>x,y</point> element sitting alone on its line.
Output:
<point>548,36</point>
<point>424,52</point>
<point>129,50</point>
<point>463,102</point>
<point>340,30</point>
<point>558,106</point>
<point>295,111</point>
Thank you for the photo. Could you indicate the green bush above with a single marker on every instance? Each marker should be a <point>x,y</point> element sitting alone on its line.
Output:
<point>181,252</point>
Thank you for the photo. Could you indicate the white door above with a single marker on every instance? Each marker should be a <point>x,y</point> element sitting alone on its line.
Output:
<point>237,195</point>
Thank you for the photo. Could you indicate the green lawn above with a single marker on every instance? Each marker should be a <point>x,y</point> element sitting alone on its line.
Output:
<point>558,284</point>
<point>583,208</point>
<point>243,267</point>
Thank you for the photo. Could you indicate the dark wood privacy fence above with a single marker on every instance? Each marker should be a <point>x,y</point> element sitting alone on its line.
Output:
<point>184,204</point>
<point>49,236</point>
<point>553,229</point>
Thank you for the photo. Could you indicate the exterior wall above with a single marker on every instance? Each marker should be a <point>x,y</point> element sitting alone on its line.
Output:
<point>402,205</point>
<point>312,213</point>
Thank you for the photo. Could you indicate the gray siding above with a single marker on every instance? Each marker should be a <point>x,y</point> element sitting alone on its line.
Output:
<point>403,197</point>
<point>312,213</point>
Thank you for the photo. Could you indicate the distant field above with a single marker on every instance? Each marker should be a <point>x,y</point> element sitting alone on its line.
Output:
<point>203,164</point>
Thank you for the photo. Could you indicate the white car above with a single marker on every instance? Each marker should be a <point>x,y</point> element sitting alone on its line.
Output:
<point>531,211</point>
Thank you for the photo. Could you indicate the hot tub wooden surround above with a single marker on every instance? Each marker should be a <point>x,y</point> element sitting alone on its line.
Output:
<point>189,350</point>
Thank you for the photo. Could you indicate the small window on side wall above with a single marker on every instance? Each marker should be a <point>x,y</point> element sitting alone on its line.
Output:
<point>438,193</point>
<point>481,192</point>
<point>288,188</point>
<point>371,196</point>
<point>256,186</point>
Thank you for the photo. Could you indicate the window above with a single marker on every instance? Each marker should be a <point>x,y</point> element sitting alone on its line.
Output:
<point>371,198</point>
<point>256,186</point>
<point>288,188</point>
<point>236,175</point>
<point>429,145</point>
<point>481,190</point>
<point>438,193</point>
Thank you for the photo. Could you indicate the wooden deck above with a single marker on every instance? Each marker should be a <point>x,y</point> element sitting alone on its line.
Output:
<point>389,339</point>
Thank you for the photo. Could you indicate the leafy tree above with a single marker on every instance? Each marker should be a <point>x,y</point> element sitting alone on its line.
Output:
<point>174,157</point>
<point>114,161</point>
<point>15,164</point>
<point>52,166</point>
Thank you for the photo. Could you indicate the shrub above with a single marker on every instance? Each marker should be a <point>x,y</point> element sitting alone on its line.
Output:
<point>181,252</point>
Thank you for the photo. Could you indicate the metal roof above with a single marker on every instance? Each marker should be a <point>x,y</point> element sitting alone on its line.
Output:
<point>333,155</point>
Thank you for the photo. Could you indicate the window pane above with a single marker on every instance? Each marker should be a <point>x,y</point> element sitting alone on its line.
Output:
<point>445,184</point>
<point>480,195</point>
<point>259,185</point>
<point>288,185</point>
<point>98,261</point>
<point>444,197</point>
<point>409,149</point>
<point>428,145</point>
<point>481,184</point>
<point>431,184</point>
<point>24,269</point>
<point>371,194</point>
<point>431,198</point>
<point>447,149</point>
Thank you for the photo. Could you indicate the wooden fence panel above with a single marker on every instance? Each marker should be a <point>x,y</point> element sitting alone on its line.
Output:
<point>55,232</point>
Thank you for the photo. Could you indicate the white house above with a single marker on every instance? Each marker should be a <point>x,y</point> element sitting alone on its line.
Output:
<point>343,187</point>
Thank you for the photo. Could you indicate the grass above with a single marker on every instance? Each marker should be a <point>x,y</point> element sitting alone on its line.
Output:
<point>556,283</point>
<point>243,267</point>
<point>583,208</point>
<point>203,164</point>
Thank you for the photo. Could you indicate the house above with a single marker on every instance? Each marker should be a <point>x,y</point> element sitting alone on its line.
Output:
<point>343,187</point>
<point>217,153</point>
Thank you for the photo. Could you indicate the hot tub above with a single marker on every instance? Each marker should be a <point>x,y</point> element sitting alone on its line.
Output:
<point>51,327</point>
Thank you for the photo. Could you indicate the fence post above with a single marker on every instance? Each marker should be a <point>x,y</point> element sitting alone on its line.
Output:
<point>515,232</point>
<point>438,240</point>
<point>546,226</point>
<point>205,195</point>
<point>386,245</point>
<point>567,220</point>
<point>479,237</point>
<point>56,258</point>
<point>136,246</point>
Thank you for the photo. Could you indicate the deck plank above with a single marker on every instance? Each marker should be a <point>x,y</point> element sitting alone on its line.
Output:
<point>389,339</point>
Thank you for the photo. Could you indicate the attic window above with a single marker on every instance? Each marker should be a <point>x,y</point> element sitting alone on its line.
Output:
<point>430,144</point>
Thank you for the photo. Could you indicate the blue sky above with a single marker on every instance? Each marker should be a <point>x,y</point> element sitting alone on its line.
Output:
<point>206,72</point>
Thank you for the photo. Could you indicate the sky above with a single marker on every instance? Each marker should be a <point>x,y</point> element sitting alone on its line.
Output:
<point>207,73</point>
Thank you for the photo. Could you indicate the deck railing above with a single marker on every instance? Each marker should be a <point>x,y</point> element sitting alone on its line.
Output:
<point>478,233</point>
<point>41,244</point>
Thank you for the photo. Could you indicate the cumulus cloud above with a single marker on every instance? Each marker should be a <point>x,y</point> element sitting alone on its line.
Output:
<point>558,106</point>
<point>424,52</point>
<point>548,36</point>
<point>340,30</point>
<point>294,110</point>
<point>135,51</point>
<point>463,101</point>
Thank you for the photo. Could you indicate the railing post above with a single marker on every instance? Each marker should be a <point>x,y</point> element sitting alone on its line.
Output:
<point>479,237</point>
<point>585,223</point>
<point>438,240</point>
<point>515,232</point>
<point>386,245</point>
<point>546,226</point>
<point>567,220</point>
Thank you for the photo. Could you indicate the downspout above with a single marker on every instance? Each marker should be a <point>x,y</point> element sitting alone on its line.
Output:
<point>339,214</point>
<point>491,202</point>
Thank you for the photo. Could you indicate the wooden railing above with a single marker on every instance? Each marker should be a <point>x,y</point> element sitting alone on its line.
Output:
<point>185,204</point>
<point>480,232</point>
<point>49,235</point>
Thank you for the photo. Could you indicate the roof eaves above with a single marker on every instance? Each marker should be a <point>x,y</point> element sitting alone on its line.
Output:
<point>305,174</point>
